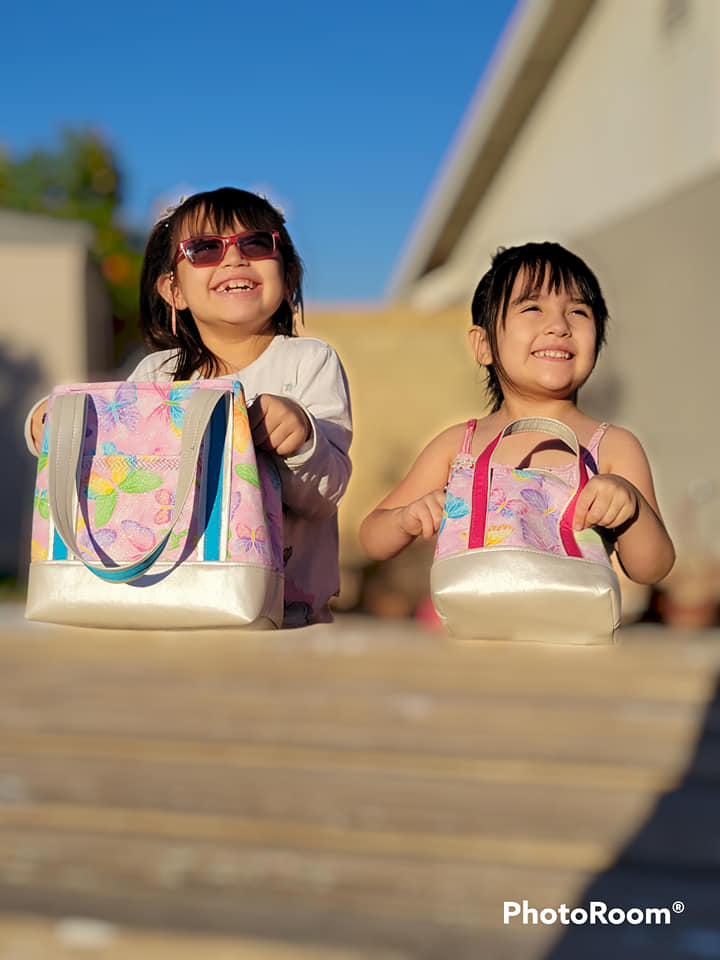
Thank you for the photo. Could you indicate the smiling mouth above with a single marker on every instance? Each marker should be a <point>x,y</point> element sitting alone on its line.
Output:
<point>233,285</point>
<point>553,354</point>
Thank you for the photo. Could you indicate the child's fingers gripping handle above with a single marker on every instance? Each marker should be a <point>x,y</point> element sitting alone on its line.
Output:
<point>431,512</point>
<point>581,503</point>
<point>431,520</point>
<point>438,507</point>
<point>256,419</point>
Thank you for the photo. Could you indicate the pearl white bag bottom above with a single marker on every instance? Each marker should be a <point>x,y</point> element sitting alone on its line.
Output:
<point>518,593</point>
<point>222,594</point>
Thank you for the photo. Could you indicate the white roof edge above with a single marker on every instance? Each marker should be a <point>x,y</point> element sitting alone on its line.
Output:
<point>497,81</point>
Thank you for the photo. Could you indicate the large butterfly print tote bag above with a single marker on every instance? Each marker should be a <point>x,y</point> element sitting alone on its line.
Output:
<point>152,510</point>
<point>508,564</point>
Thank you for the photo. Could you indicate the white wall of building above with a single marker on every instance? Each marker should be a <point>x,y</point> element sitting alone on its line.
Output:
<point>659,374</point>
<point>42,308</point>
<point>630,116</point>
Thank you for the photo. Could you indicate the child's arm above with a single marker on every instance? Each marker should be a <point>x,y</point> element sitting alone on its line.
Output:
<point>415,507</point>
<point>623,499</point>
<point>310,432</point>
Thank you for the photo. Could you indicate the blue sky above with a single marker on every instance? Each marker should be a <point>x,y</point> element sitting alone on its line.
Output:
<point>341,113</point>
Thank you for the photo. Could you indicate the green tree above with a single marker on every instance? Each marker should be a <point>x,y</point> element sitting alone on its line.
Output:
<point>81,181</point>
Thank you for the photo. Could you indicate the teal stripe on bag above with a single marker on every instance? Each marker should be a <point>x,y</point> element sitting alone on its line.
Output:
<point>130,573</point>
<point>59,550</point>
<point>213,487</point>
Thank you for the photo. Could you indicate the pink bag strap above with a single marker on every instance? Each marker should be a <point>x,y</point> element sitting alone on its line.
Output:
<point>466,447</point>
<point>482,480</point>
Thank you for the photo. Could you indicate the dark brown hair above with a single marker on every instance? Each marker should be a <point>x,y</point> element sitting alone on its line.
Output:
<point>540,263</point>
<point>222,209</point>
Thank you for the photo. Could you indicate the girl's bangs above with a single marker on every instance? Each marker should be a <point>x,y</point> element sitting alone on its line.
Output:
<point>222,215</point>
<point>539,275</point>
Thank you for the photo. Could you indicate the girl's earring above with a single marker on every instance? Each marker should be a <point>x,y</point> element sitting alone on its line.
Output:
<point>173,317</point>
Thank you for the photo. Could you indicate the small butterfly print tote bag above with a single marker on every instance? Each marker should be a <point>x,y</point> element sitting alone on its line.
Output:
<point>508,564</point>
<point>152,510</point>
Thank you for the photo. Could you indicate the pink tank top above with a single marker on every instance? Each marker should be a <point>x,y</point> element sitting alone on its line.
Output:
<point>524,507</point>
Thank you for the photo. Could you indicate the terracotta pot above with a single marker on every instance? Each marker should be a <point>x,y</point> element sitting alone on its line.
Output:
<point>691,614</point>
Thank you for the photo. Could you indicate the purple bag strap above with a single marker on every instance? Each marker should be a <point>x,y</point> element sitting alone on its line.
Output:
<point>482,477</point>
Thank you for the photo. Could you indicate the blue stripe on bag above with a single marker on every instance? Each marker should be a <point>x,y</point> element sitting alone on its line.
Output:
<point>213,487</point>
<point>59,550</point>
<point>131,573</point>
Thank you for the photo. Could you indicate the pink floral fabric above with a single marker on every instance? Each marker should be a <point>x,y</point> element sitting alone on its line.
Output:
<point>128,476</point>
<point>524,506</point>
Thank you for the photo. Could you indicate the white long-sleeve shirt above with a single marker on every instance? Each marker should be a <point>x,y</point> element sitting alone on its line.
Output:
<point>314,479</point>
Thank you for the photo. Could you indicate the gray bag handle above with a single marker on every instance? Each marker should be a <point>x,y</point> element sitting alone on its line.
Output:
<point>66,435</point>
<point>555,428</point>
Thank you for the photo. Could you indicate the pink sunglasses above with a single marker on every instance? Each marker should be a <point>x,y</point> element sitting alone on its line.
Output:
<point>210,251</point>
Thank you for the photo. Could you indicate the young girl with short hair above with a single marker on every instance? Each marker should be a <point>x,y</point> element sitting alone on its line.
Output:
<point>539,320</point>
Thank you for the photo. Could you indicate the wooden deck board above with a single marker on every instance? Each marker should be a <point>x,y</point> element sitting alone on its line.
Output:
<point>368,790</point>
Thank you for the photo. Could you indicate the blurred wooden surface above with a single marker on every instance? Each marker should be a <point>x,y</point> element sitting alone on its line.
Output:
<point>365,791</point>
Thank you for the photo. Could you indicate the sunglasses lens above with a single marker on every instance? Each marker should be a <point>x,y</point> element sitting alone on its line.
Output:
<point>258,245</point>
<point>208,251</point>
<point>204,250</point>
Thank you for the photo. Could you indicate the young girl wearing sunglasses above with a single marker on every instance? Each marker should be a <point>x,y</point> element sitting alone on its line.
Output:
<point>220,291</point>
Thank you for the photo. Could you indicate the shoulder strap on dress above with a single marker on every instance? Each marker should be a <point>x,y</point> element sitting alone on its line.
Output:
<point>591,451</point>
<point>468,438</point>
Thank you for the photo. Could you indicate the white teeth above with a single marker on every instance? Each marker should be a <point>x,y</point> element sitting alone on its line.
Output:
<point>238,285</point>
<point>555,354</point>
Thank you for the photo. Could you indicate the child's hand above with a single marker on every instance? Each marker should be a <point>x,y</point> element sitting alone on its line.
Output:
<point>37,425</point>
<point>423,516</point>
<point>278,424</point>
<point>606,501</point>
